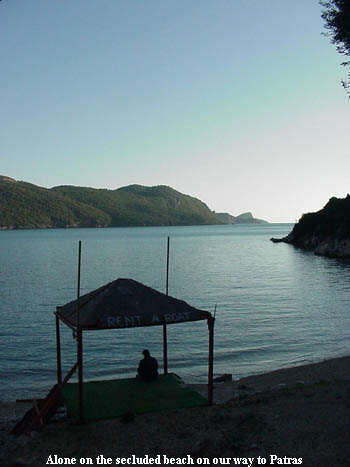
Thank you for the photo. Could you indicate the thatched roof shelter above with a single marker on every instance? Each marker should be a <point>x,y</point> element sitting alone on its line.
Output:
<point>126,303</point>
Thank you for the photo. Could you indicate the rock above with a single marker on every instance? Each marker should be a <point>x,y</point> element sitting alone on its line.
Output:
<point>223,378</point>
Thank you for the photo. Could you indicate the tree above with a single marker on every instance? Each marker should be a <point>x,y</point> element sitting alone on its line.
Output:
<point>336,15</point>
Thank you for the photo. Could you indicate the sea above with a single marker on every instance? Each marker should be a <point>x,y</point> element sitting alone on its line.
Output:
<point>275,305</point>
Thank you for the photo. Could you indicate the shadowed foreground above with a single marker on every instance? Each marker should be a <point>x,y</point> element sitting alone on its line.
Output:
<point>295,419</point>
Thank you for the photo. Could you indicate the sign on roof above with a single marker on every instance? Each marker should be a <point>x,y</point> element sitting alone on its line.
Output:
<point>126,303</point>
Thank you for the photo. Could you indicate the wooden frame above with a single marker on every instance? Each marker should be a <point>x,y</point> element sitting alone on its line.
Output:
<point>79,364</point>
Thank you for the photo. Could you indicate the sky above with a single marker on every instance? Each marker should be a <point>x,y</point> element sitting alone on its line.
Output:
<point>236,102</point>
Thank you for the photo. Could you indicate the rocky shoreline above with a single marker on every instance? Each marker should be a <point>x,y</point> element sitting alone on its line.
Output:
<point>321,246</point>
<point>325,232</point>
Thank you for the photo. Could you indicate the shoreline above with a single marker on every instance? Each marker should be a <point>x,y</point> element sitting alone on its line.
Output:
<point>337,368</point>
<point>301,411</point>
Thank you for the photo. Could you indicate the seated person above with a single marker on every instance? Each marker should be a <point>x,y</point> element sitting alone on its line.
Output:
<point>148,367</point>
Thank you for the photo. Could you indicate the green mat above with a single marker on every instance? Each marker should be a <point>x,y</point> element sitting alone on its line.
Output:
<point>113,398</point>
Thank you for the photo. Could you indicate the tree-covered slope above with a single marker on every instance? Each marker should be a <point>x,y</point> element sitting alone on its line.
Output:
<point>23,205</point>
<point>326,232</point>
<point>140,205</point>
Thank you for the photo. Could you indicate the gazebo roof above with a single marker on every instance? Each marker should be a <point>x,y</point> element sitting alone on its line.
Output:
<point>126,303</point>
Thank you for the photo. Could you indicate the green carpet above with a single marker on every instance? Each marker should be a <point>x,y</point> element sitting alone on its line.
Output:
<point>113,398</point>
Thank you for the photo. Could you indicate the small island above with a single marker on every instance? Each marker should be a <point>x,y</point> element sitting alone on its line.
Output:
<point>325,232</point>
<point>245,218</point>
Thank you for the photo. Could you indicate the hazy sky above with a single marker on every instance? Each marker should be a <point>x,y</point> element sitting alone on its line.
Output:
<point>235,102</point>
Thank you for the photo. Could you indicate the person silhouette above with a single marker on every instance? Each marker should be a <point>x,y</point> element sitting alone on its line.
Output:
<point>148,367</point>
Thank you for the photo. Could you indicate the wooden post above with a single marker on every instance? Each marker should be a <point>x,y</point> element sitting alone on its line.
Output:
<point>167,266</point>
<point>58,351</point>
<point>165,339</point>
<point>78,286</point>
<point>80,347</point>
<point>80,374</point>
<point>165,350</point>
<point>211,322</point>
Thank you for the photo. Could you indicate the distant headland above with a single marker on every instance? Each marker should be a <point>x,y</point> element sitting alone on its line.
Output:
<point>27,206</point>
<point>325,232</point>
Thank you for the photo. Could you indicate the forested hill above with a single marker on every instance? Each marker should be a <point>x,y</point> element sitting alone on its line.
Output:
<point>137,205</point>
<point>24,205</point>
<point>325,232</point>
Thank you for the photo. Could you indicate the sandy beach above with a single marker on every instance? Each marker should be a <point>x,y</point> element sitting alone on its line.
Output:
<point>292,416</point>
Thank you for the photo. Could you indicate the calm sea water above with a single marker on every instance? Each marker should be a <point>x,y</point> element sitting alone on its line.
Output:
<point>276,306</point>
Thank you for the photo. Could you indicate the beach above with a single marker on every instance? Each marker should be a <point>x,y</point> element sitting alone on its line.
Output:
<point>292,416</point>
